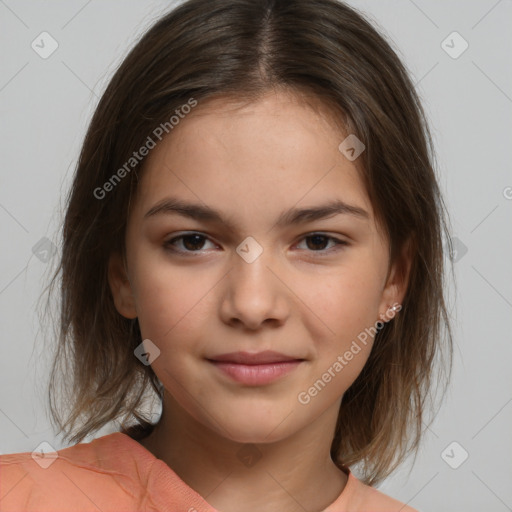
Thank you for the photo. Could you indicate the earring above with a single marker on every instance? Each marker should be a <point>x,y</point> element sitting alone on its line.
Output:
<point>391,312</point>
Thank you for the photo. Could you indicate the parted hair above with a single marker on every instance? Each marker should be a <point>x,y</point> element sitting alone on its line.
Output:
<point>242,49</point>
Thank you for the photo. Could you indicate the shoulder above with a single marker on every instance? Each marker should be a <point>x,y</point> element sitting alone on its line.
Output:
<point>85,476</point>
<point>359,497</point>
<point>377,501</point>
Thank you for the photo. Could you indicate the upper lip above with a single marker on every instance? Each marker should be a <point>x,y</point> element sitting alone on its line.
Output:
<point>268,356</point>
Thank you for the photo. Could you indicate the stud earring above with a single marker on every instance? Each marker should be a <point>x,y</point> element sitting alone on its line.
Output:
<point>391,312</point>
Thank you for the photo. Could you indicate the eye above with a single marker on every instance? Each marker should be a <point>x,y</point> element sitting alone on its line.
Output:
<point>319,240</point>
<point>192,242</point>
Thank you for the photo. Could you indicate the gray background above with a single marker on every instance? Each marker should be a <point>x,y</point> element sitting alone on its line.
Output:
<point>46,104</point>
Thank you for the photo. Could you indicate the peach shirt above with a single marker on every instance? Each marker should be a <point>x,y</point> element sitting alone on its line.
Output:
<point>116,473</point>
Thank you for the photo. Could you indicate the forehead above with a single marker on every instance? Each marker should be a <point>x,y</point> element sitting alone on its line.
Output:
<point>280,150</point>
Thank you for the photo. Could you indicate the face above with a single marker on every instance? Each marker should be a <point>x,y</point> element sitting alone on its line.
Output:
<point>256,275</point>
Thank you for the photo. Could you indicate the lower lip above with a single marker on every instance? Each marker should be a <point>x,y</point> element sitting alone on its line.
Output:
<point>256,374</point>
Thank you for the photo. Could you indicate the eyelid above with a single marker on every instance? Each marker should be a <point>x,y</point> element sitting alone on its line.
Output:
<point>339,242</point>
<point>168,242</point>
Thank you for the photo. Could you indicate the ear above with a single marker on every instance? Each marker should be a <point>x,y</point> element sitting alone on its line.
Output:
<point>120,286</point>
<point>397,283</point>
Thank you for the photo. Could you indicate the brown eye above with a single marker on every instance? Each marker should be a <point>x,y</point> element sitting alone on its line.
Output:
<point>317,242</point>
<point>193,242</point>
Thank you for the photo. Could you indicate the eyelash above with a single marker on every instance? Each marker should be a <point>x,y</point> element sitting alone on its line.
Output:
<point>169,244</point>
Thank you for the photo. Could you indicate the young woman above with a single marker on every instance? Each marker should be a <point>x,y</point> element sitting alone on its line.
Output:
<point>254,234</point>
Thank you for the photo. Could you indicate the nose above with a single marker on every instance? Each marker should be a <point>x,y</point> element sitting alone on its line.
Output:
<point>255,293</point>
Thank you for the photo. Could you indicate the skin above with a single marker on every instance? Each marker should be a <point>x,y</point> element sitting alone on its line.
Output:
<point>305,299</point>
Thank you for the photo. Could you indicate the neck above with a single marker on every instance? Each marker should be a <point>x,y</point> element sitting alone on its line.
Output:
<point>292,474</point>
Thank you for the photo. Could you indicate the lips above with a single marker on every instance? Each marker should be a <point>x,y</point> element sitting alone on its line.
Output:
<point>255,369</point>
<point>247,358</point>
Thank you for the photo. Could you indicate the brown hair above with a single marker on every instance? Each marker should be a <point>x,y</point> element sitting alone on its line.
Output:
<point>242,49</point>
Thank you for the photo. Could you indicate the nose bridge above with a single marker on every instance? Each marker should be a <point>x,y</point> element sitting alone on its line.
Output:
<point>254,293</point>
<point>251,274</point>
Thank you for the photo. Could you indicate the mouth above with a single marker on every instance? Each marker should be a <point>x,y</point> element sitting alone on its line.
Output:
<point>255,369</point>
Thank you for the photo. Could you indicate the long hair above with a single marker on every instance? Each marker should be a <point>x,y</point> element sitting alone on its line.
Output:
<point>242,49</point>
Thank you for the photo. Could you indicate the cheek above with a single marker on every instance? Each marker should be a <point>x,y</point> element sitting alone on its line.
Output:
<point>171,307</point>
<point>172,302</point>
<point>347,301</point>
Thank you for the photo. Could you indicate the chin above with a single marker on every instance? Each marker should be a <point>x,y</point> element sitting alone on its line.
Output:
<point>252,428</point>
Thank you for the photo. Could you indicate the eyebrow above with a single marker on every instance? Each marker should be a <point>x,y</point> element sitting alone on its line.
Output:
<point>293,216</point>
